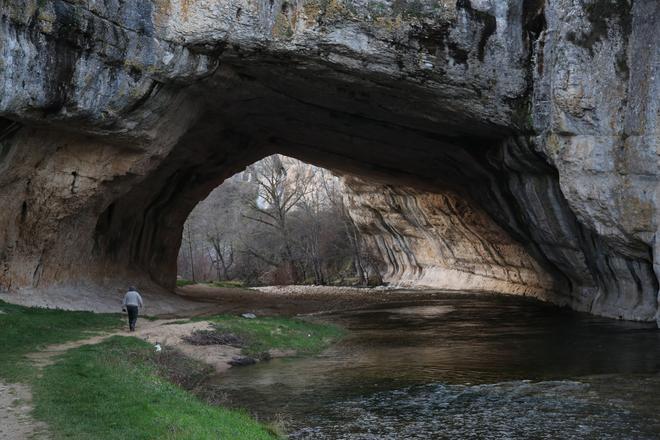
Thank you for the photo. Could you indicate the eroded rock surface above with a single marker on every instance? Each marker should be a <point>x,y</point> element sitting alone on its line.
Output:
<point>538,119</point>
<point>441,241</point>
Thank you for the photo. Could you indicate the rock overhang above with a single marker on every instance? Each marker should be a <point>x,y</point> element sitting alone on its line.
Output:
<point>162,100</point>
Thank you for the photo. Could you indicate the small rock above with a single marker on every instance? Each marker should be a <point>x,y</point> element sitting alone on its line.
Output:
<point>249,315</point>
<point>158,348</point>
<point>241,361</point>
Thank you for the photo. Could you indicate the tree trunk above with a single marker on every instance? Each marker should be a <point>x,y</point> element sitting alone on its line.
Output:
<point>192,258</point>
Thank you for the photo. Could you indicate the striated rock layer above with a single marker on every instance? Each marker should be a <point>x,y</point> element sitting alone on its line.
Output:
<point>527,131</point>
<point>440,240</point>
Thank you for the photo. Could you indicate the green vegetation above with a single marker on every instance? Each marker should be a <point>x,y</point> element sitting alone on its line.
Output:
<point>122,388</point>
<point>227,284</point>
<point>116,389</point>
<point>26,329</point>
<point>223,284</point>
<point>262,334</point>
<point>183,282</point>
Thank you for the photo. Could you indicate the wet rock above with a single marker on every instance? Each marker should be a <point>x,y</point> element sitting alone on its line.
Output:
<point>241,361</point>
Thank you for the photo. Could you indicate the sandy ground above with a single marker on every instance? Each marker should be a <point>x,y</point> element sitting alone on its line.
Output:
<point>297,300</point>
<point>171,335</point>
<point>202,300</point>
<point>157,302</point>
<point>297,289</point>
<point>16,423</point>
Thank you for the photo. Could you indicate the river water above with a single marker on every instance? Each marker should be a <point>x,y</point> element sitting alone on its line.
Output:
<point>463,366</point>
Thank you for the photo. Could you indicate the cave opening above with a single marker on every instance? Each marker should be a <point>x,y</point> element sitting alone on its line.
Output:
<point>285,221</point>
<point>444,197</point>
<point>467,171</point>
<point>280,221</point>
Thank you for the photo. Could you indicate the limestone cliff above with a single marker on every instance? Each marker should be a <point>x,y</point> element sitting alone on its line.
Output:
<point>439,240</point>
<point>537,118</point>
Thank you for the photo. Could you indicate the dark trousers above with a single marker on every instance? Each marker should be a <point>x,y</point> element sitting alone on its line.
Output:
<point>132,316</point>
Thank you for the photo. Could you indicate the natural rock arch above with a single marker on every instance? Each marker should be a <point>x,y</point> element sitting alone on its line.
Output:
<point>535,119</point>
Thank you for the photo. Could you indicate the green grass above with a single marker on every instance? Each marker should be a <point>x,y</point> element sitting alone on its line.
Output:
<point>262,334</point>
<point>182,283</point>
<point>121,388</point>
<point>227,284</point>
<point>114,390</point>
<point>26,329</point>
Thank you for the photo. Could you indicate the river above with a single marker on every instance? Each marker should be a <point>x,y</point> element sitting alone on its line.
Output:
<point>463,366</point>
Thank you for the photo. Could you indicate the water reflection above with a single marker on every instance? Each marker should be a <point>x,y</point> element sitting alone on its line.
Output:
<point>428,365</point>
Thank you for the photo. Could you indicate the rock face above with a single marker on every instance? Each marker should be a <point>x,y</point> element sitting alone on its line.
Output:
<point>525,130</point>
<point>439,240</point>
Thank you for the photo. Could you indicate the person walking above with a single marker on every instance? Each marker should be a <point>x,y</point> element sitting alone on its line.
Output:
<point>132,304</point>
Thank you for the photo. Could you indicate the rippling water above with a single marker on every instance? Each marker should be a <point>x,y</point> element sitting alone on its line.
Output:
<point>460,366</point>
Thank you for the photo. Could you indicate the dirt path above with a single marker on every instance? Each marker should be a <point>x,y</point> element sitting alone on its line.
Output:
<point>16,422</point>
<point>48,355</point>
<point>165,332</point>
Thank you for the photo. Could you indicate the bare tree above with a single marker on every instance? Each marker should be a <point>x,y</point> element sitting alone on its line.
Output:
<point>221,253</point>
<point>281,221</point>
<point>311,207</point>
<point>334,195</point>
<point>188,240</point>
<point>278,191</point>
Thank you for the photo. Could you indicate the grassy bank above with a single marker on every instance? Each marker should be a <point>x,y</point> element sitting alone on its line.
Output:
<point>262,334</point>
<point>116,389</point>
<point>122,388</point>
<point>26,329</point>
